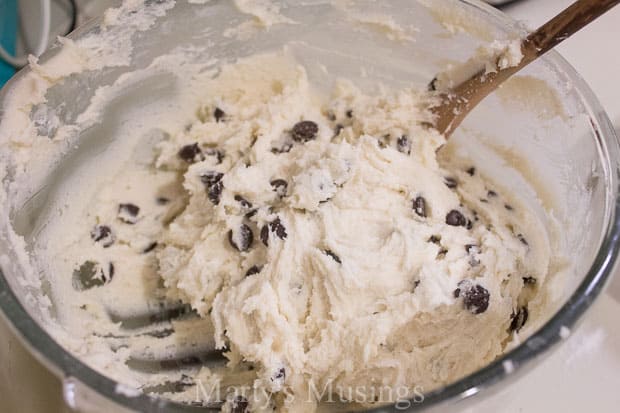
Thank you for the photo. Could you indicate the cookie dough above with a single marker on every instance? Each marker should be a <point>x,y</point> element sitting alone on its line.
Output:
<point>333,247</point>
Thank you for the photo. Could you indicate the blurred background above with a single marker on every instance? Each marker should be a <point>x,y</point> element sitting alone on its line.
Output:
<point>581,376</point>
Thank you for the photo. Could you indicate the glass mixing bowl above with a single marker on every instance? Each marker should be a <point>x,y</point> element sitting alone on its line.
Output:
<point>544,134</point>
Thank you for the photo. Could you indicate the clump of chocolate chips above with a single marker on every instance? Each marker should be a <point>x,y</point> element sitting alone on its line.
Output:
<point>333,255</point>
<point>241,239</point>
<point>191,153</point>
<point>213,181</point>
<point>476,299</point>
<point>280,186</point>
<point>218,114</point>
<point>102,234</point>
<point>244,202</point>
<point>239,405</point>
<point>304,131</point>
<point>456,219</point>
<point>255,269</point>
<point>518,319</point>
<point>403,144</point>
<point>419,206</point>
<point>128,213</point>
<point>450,182</point>
<point>274,226</point>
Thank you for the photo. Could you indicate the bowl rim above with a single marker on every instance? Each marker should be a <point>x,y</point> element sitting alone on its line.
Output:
<point>47,351</point>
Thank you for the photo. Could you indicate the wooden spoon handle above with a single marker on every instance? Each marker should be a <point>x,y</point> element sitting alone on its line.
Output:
<point>460,100</point>
<point>567,23</point>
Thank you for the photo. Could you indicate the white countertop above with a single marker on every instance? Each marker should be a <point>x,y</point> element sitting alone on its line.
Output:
<point>582,375</point>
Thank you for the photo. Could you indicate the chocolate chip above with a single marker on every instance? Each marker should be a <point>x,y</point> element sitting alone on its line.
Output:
<point>473,250</point>
<point>450,182</point>
<point>255,269</point>
<point>435,239</point>
<point>191,153</point>
<point>149,247</point>
<point>523,240</point>
<point>441,253</point>
<point>476,299</point>
<point>304,131</point>
<point>213,181</point>
<point>331,116</point>
<point>244,202</point>
<point>484,201</point>
<point>349,113</point>
<point>403,144</point>
<point>419,206</point>
<point>529,280</point>
<point>280,374</point>
<point>128,213</point>
<point>264,235</point>
<point>160,200</point>
<point>102,234</point>
<point>239,405</point>
<point>251,213</point>
<point>491,194</point>
<point>518,319</point>
<point>456,293</point>
<point>241,239</point>
<point>279,186</point>
<point>508,207</point>
<point>456,219</point>
<point>90,275</point>
<point>432,86</point>
<point>471,171</point>
<point>333,255</point>
<point>218,114</point>
<point>286,148</point>
<point>470,224</point>
<point>415,284</point>
<point>214,192</point>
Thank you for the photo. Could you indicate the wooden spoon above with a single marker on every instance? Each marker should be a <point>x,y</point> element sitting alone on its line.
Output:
<point>457,102</point>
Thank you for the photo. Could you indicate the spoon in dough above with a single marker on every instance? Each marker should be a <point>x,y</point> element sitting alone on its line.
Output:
<point>458,101</point>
